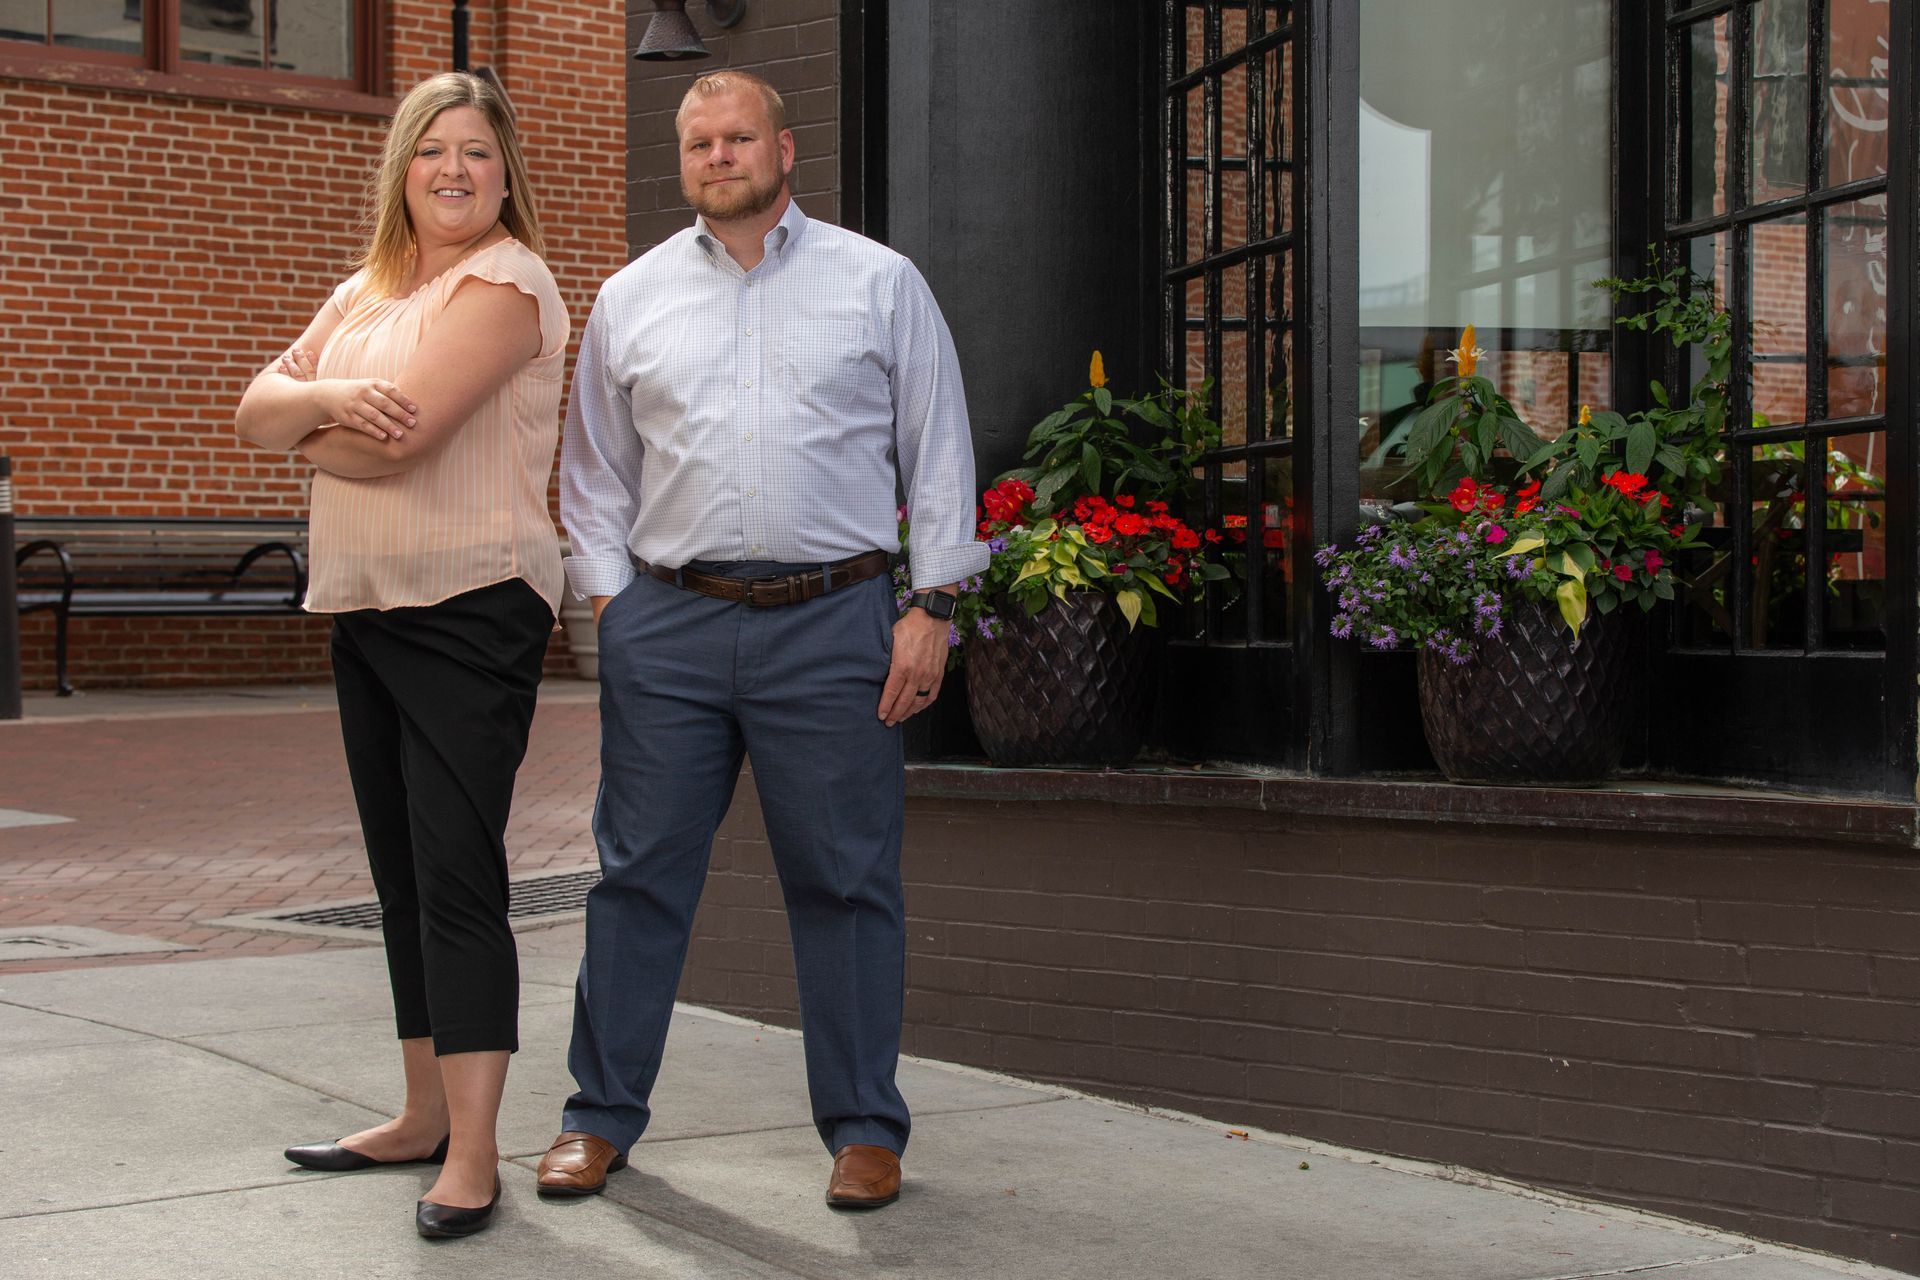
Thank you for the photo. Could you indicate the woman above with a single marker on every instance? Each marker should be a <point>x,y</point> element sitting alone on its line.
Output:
<point>426,392</point>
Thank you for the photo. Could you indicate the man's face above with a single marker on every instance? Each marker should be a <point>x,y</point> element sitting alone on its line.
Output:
<point>732,164</point>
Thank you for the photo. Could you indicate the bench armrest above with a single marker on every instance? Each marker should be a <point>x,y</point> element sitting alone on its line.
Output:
<point>33,548</point>
<point>284,548</point>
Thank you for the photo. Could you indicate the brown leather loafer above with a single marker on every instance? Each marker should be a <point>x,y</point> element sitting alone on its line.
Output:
<point>577,1164</point>
<point>864,1177</point>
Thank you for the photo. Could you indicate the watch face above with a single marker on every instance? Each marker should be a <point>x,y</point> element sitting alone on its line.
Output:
<point>939,604</point>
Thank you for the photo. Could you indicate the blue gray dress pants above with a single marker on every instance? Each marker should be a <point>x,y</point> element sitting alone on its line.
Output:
<point>688,686</point>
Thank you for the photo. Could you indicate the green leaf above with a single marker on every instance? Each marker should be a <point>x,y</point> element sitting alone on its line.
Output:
<point>1640,447</point>
<point>1670,458</point>
<point>1582,555</point>
<point>1659,393</point>
<point>1430,428</point>
<point>1588,447</point>
<point>1486,433</point>
<point>1517,438</point>
<point>1154,582</point>
<point>1556,484</point>
<point>1129,601</point>
<point>1053,483</point>
<point>1532,542</point>
<point>1572,598</point>
<point>1470,457</point>
<point>1103,400</point>
<point>1090,466</point>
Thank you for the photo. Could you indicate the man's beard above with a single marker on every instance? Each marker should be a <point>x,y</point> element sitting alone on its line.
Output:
<point>732,201</point>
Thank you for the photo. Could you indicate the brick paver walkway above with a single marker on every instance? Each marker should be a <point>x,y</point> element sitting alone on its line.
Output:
<point>190,818</point>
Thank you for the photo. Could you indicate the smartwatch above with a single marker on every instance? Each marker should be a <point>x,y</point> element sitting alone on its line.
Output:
<point>938,604</point>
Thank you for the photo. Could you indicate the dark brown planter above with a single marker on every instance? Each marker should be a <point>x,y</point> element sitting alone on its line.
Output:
<point>1534,705</point>
<point>1069,685</point>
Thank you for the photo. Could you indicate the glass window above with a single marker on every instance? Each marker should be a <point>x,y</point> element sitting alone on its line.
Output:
<point>1485,199</point>
<point>315,41</point>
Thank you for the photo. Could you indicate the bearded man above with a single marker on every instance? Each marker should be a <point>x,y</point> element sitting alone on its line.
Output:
<point>748,395</point>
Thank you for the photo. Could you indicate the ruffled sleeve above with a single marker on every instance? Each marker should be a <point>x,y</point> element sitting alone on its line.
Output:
<point>512,263</point>
<point>347,292</point>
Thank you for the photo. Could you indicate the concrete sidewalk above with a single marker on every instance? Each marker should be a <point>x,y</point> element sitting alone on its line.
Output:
<point>142,1110</point>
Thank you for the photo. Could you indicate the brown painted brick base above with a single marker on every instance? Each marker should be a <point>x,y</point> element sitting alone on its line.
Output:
<point>1727,1030</point>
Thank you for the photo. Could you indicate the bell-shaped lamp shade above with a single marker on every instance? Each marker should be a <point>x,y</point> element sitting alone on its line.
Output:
<point>670,35</point>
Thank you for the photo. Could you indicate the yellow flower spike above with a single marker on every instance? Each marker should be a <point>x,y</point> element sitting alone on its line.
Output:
<point>1097,371</point>
<point>1466,356</point>
<point>1586,415</point>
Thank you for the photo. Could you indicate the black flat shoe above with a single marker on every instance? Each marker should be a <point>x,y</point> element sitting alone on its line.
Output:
<point>331,1157</point>
<point>443,1221</point>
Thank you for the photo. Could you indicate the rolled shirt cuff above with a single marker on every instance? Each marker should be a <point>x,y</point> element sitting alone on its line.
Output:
<point>591,577</point>
<point>938,566</point>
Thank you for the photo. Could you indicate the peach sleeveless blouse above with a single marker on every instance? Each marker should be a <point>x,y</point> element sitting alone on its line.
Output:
<point>475,513</point>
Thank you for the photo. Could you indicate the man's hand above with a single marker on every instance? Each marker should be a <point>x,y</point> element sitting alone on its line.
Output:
<point>919,665</point>
<point>598,603</point>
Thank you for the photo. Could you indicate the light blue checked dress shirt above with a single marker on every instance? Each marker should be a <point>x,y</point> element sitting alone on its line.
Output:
<point>727,415</point>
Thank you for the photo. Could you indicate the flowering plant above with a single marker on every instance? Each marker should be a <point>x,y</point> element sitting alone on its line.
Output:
<point>1091,511</point>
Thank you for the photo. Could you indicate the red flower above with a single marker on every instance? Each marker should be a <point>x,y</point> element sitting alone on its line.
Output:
<point>1495,535</point>
<point>1185,538</point>
<point>1654,560</point>
<point>1627,482</point>
<point>1213,536</point>
<point>1130,525</point>
<point>1491,498</point>
<point>1464,494</point>
<point>1528,491</point>
<point>1157,508</point>
<point>1525,505</point>
<point>1624,572</point>
<point>1005,500</point>
<point>1099,533</point>
<point>1124,500</point>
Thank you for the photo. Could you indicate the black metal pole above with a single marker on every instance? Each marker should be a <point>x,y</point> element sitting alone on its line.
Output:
<point>9,612</point>
<point>460,35</point>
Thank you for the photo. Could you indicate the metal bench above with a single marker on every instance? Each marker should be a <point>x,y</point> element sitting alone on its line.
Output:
<point>156,566</point>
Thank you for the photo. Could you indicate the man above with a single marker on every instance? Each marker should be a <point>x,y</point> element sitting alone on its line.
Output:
<point>746,398</point>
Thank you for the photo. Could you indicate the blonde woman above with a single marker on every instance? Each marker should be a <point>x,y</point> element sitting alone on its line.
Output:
<point>426,393</point>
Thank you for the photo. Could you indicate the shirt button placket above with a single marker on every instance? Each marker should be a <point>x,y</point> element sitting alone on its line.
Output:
<point>753,363</point>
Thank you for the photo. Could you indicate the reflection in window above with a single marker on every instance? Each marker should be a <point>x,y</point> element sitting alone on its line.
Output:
<point>1485,198</point>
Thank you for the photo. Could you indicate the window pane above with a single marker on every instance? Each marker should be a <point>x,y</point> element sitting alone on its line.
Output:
<point>227,33</point>
<point>1485,198</point>
<point>23,20</point>
<point>1196,36</point>
<point>313,38</point>
<point>1856,105</point>
<point>1702,118</point>
<point>1777,293</point>
<point>1276,516</point>
<point>1856,542</point>
<point>1778,555</point>
<point>1778,94</point>
<point>112,26</point>
<point>1231,388</point>
<point>1856,311</point>
<point>1233,153</point>
<point>1279,148</point>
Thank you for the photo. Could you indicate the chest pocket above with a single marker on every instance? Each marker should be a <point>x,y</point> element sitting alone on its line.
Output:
<point>833,367</point>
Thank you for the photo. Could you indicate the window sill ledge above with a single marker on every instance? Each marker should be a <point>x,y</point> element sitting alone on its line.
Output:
<point>1672,808</point>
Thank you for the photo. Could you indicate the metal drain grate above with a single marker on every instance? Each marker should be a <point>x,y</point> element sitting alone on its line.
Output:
<point>541,898</point>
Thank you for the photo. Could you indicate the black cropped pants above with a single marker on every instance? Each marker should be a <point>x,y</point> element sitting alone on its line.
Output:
<point>435,706</point>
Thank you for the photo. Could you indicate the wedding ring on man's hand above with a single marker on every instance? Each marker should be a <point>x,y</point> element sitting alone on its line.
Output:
<point>923,693</point>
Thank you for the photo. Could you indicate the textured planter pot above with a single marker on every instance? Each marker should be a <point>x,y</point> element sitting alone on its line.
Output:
<point>1069,685</point>
<point>1534,706</point>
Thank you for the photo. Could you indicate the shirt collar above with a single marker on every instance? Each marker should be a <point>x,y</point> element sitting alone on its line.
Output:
<point>784,232</point>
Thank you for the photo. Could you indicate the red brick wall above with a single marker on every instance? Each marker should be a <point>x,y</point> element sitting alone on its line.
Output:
<point>154,250</point>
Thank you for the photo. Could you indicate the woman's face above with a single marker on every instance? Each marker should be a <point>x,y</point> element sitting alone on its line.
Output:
<point>456,180</point>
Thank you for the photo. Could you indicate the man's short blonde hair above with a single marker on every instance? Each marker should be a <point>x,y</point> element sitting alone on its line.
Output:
<point>715,83</point>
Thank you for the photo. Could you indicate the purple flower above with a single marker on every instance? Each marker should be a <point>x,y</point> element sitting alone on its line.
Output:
<point>953,636</point>
<point>1518,568</point>
<point>996,545</point>
<point>1398,557</point>
<point>1368,536</point>
<point>1486,603</point>
<point>1384,638</point>
<point>1324,556</point>
<point>1342,625</point>
<point>1340,576</point>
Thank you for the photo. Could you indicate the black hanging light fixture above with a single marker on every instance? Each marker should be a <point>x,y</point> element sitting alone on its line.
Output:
<point>670,35</point>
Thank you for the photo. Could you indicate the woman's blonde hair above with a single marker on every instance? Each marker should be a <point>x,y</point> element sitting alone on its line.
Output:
<point>389,252</point>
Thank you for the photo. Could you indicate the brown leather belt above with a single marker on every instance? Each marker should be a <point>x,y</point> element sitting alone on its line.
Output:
<point>790,588</point>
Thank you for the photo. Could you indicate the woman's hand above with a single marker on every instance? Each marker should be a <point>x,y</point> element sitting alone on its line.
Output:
<point>372,406</point>
<point>298,364</point>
